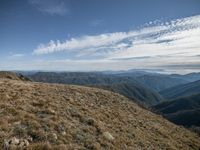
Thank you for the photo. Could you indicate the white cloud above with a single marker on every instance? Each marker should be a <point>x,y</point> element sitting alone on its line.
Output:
<point>159,44</point>
<point>13,56</point>
<point>82,43</point>
<point>52,7</point>
<point>96,22</point>
<point>181,35</point>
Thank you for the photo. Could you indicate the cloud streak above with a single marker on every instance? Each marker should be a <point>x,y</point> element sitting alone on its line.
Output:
<point>158,45</point>
<point>52,7</point>
<point>181,35</point>
<point>96,22</point>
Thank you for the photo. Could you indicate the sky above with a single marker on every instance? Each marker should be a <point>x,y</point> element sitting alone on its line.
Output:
<point>98,35</point>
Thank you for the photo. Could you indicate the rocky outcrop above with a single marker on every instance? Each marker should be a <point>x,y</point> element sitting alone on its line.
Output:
<point>13,76</point>
<point>16,143</point>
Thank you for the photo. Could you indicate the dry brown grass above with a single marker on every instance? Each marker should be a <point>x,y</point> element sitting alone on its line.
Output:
<point>73,117</point>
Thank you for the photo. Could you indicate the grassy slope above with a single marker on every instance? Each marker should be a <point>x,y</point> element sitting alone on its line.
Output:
<point>79,117</point>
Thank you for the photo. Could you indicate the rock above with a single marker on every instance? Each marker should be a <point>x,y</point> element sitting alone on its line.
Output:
<point>55,136</point>
<point>74,112</point>
<point>88,121</point>
<point>30,139</point>
<point>23,143</point>
<point>13,141</point>
<point>108,136</point>
<point>17,123</point>
<point>63,133</point>
<point>79,137</point>
<point>71,100</point>
<point>51,111</point>
<point>95,146</point>
<point>7,96</point>
<point>52,137</point>
<point>6,144</point>
<point>26,143</point>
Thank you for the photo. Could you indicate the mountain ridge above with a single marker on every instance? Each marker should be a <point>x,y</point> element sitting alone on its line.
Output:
<point>182,111</point>
<point>181,90</point>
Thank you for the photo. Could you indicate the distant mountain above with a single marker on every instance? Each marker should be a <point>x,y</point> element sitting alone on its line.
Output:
<point>183,111</point>
<point>127,86</point>
<point>189,77</point>
<point>152,80</point>
<point>131,73</point>
<point>79,78</point>
<point>160,82</point>
<point>182,90</point>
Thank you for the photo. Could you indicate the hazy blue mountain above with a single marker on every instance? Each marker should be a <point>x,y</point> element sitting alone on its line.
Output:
<point>160,82</point>
<point>181,90</point>
<point>152,80</point>
<point>189,77</point>
<point>132,73</point>
<point>183,111</point>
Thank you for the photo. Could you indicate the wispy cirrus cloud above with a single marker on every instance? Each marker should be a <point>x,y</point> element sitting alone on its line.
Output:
<point>181,35</point>
<point>158,45</point>
<point>15,55</point>
<point>96,22</point>
<point>52,7</point>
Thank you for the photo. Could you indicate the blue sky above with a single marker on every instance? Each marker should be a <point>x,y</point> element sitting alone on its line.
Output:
<point>77,35</point>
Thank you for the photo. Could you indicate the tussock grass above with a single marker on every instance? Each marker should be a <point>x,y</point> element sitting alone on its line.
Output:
<point>72,117</point>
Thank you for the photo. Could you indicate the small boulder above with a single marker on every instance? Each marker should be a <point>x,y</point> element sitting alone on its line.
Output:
<point>108,136</point>
<point>55,136</point>
<point>63,133</point>
<point>51,111</point>
<point>30,139</point>
<point>14,141</point>
<point>88,121</point>
<point>23,143</point>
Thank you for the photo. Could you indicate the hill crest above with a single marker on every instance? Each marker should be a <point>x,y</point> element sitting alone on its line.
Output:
<point>12,76</point>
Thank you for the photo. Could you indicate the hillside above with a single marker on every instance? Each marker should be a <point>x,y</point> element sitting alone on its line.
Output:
<point>183,111</point>
<point>13,76</point>
<point>160,82</point>
<point>124,85</point>
<point>52,116</point>
<point>134,92</point>
<point>182,90</point>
